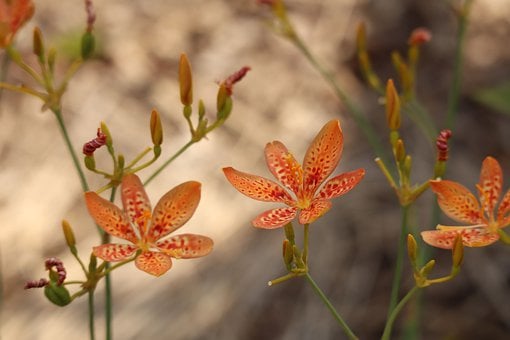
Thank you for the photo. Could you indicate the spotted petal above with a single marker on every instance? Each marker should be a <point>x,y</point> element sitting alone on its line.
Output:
<point>457,202</point>
<point>490,185</point>
<point>284,166</point>
<point>135,201</point>
<point>341,184</point>
<point>174,209</point>
<point>109,217</point>
<point>275,218</point>
<point>316,210</point>
<point>471,237</point>
<point>154,263</point>
<point>256,187</point>
<point>503,210</point>
<point>112,252</point>
<point>186,246</point>
<point>322,156</point>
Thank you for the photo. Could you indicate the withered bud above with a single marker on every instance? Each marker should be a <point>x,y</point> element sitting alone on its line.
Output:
<point>59,268</point>
<point>442,145</point>
<point>185,81</point>
<point>36,284</point>
<point>234,78</point>
<point>156,128</point>
<point>419,36</point>
<point>392,106</point>
<point>96,143</point>
<point>91,15</point>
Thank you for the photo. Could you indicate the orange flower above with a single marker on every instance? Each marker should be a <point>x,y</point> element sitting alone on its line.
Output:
<point>13,14</point>
<point>145,230</point>
<point>461,205</point>
<point>320,160</point>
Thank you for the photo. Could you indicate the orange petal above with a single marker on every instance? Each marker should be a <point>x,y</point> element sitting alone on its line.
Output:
<point>490,185</point>
<point>503,210</point>
<point>256,187</point>
<point>135,201</point>
<point>341,184</point>
<point>109,217</point>
<point>457,202</point>
<point>316,210</point>
<point>322,156</point>
<point>284,166</point>
<point>112,252</point>
<point>471,237</point>
<point>154,263</point>
<point>186,246</point>
<point>174,209</point>
<point>275,218</point>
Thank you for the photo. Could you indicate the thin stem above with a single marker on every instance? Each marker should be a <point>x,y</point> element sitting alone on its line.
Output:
<point>453,97</point>
<point>70,148</point>
<point>91,315</point>
<point>24,90</point>
<point>108,304</point>
<point>332,309</point>
<point>306,241</point>
<point>394,313</point>
<point>168,161</point>
<point>397,277</point>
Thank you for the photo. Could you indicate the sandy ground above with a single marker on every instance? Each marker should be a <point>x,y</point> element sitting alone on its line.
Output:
<point>224,296</point>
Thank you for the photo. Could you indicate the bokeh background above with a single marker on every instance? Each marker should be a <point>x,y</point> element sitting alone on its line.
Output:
<point>224,295</point>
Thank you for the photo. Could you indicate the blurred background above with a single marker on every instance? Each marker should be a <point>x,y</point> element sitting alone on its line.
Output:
<point>225,295</point>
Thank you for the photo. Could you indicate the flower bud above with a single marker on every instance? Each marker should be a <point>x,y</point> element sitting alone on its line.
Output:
<point>68,234</point>
<point>38,44</point>
<point>457,251</point>
<point>106,132</point>
<point>88,43</point>
<point>427,268</point>
<point>201,109</point>
<point>185,81</point>
<point>52,55</point>
<point>289,232</point>
<point>288,254</point>
<point>392,106</point>
<point>59,295</point>
<point>156,128</point>
<point>400,151</point>
<point>412,249</point>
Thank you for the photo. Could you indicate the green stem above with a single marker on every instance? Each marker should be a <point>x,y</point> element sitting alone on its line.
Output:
<point>70,148</point>
<point>394,313</point>
<point>168,161</point>
<point>306,241</point>
<point>453,97</point>
<point>332,309</point>
<point>355,113</point>
<point>91,315</point>
<point>108,284</point>
<point>397,277</point>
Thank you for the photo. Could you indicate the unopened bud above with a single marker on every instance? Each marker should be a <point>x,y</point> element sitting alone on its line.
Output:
<point>106,132</point>
<point>156,128</point>
<point>68,234</point>
<point>201,109</point>
<point>457,251</point>
<point>427,268</point>
<point>288,254</point>
<point>59,295</point>
<point>400,151</point>
<point>392,106</point>
<point>412,249</point>
<point>38,44</point>
<point>289,232</point>
<point>52,55</point>
<point>185,81</point>
<point>88,44</point>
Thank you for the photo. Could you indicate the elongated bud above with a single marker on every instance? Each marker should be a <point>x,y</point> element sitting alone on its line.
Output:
<point>221,98</point>
<point>92,263</point>
<point>400,151</point>
<point>52,55</point>
<point>361,37</point>
<point>288,254</point>
<point>58,295</point>
<point>442,145</point>
<point>457,252</point>
<point>88,45</point>
<point>427,268</point>
<point>201,110</point>
<point>156,128</point>
<point>185,81</point>
<point>392,106</point>
<point>364,60</point>
<point>68,234</point>
<point>38,44</point>
<point>289,232</point>
<point>412,249</point>
<point>106,132</point>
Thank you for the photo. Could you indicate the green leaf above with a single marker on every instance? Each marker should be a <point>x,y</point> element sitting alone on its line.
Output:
<point>496,98</point>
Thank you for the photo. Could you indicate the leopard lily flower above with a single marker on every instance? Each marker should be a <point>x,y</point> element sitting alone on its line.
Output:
<point>481,216</point>
<point>320,160</point>
<point>13,15</point>
<point>146,230</point>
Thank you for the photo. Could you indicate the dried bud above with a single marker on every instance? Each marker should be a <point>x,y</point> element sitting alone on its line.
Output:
<point>419,36</point>
<point>392,106</point>
<point>234,78</point>
<point>36,284</point>
<point>38,44</point>
<point>59,295</point>
<point>96,143</point>
<point>442,145</point>
<point>59,269</point>
<point>156,128</point>
<point>185,81</point>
